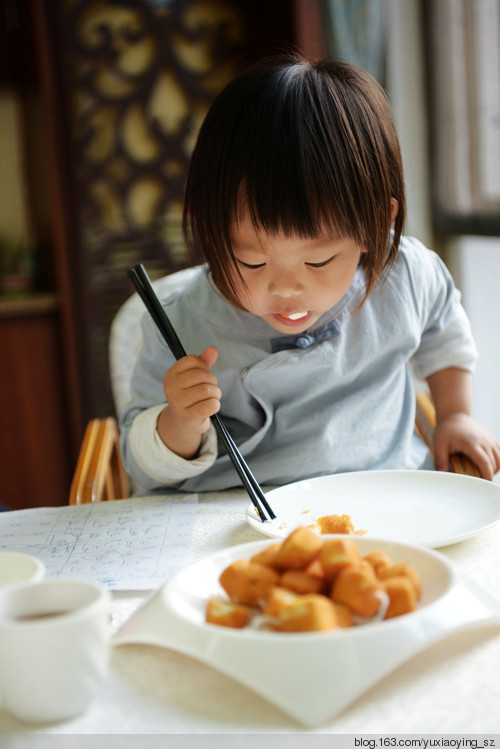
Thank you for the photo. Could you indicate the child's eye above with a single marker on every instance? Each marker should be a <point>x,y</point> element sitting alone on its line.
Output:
<point>252,267</point>
<point>321,265</point>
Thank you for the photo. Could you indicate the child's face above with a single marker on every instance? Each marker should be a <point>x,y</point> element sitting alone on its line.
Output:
<point>291,281</point>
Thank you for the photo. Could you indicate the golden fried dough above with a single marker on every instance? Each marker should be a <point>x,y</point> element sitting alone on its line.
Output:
<point>403,569</point>
<point>337,553</point>
<point>344,615</point>
<point>301,582</point>
<point>379,560</point>
<point>308,613</point>
<point>248,582</point>
<point>357,588</point>
<point>277,600</point>
<point>298,549</point>
<point>402,598</point>
<point>227,613</point>
<point>267,556</point>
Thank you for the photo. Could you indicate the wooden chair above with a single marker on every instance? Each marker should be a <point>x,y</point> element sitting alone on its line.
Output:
<point>100,474</point>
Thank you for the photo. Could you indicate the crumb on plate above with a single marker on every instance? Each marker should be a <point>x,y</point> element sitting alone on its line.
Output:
<point>337,524</point>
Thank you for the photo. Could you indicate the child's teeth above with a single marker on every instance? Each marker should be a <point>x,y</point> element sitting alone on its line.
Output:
<point>296,315</point>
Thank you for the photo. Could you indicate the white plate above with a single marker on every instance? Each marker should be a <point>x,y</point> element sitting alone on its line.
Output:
<point>310,676</point>
<point>416,507</point>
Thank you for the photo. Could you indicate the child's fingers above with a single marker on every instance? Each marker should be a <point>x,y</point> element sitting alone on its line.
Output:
<point>492,453</point>
<point>209,356</point>
<point>203,408</point>
<point>185,363</point>
<point>480,455</point>
<point>486,455</point>
<point>441,458</point>
<point>188,391</point>
<point>189,378</point>
<point>191,389</point>
<point>197,393</point>
<point>194,406</point>
<point>482,459</point>
<point>193,396</point>
<point>190,370</point>
<point>461,434</point>
<point>496,453</point>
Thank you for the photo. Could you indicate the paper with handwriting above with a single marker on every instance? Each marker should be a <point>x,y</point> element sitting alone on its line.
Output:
<point>128,544</point>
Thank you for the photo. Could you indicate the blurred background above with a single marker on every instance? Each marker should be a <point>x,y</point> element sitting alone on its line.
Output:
<point>100,104</point>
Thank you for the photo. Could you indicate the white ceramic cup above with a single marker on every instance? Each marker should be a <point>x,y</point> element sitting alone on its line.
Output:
<point>54,648</point>
<point>19,568</point>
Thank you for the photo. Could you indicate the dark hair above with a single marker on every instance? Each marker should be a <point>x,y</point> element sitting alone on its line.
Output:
<point>301,146</point>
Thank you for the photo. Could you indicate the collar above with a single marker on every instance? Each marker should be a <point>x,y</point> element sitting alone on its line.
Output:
<point>306,339</point>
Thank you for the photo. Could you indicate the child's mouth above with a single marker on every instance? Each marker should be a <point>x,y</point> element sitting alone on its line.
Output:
<point>293,318</point>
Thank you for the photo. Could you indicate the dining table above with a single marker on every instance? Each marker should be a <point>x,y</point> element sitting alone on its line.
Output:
<point>451,687</point>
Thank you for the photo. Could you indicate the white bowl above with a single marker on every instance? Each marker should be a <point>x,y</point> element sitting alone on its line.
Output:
<point>310,676</point>
<point>18,568</point>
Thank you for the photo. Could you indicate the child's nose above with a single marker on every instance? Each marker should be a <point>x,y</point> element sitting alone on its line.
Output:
<point>285,285</point>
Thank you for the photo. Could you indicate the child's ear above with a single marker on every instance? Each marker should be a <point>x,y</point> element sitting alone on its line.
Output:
<point>394,209</point>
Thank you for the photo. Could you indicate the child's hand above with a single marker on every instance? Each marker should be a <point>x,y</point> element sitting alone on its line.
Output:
<point>460,433</point>
<point>193,397</point>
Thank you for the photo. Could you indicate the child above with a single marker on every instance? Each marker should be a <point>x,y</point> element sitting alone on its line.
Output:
<point>302,322</point>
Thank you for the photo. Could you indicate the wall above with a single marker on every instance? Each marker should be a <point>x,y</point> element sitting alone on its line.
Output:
<point>475,264</point>
<point>473,261</point>
<point>405,88</point>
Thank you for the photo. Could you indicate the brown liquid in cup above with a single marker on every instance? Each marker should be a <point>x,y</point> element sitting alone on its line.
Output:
<point>43,615</point>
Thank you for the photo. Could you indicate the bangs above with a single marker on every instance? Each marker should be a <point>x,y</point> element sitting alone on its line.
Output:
<point>288,177</point>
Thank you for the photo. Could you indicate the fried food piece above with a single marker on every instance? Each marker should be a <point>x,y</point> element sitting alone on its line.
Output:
<point>298,549</point>
<point>403,569</point>
<point>337,553</point>
<point>302,582</point>
<point>315,569</point>
<point>402,597</point>
<point>267,556</point>
<point>247,582</point>
<point>344,615</point>
<point>379,560</point>
<point>227,613</point>
<point>358,588</point>
<point>335,524</point>
<point>278,599</point>
<point>308,613</point>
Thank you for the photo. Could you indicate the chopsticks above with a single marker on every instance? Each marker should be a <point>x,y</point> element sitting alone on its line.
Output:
<point>143,286</point>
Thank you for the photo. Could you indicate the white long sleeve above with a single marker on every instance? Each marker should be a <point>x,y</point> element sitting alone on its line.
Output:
<point>157,460</point>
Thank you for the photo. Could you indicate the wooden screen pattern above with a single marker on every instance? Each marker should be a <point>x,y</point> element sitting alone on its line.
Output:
<point>140,77</point>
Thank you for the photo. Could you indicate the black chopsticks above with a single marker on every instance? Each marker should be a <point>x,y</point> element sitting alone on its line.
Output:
<point>143,286</point>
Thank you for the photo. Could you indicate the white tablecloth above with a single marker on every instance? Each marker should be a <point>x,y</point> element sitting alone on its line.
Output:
<point>451,688</point>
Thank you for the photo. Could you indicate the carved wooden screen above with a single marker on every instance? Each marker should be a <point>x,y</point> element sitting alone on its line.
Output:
<point>136,79</point>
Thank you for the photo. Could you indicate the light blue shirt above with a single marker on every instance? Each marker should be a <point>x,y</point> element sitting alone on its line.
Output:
<point>344,404</point>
